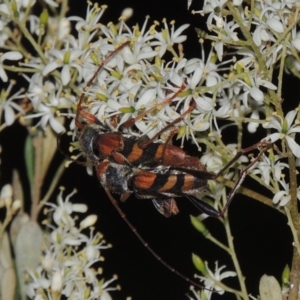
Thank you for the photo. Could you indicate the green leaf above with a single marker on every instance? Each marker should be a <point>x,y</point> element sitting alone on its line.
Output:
<point>28,251</point>
<point>29,158</point>
<point>269,288</point>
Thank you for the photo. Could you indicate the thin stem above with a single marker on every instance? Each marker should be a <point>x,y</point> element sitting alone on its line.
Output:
<point>20,69</point>
<point>31,40</point>
<point>218,243</point>
<point>281,68</point>
<point>293,229</point>
<point>225,287</point>
<point>234,258</point>
<point>53,185</point>
<point>259,57</point>
<point>295,269</point>
<point>38,180</point>
<point>250,193</point>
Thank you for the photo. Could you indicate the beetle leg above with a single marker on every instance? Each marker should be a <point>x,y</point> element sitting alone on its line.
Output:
<point>131,121</point>
<point>203,206</point>
<point>167,207</point>
<point>125,196</point>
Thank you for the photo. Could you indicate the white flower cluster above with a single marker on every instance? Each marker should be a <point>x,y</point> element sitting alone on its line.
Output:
<point>210,282</point>
<point>139,82</point>
<point>151,82</point>
<point>270,24</point>
<point>263,35</point>
<point>136,80</point>
<point>70,261</point>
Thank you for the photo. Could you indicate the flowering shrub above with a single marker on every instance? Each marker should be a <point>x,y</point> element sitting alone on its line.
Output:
<point>229,85</point>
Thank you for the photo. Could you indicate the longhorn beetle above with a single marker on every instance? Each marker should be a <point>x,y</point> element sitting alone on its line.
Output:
<point>150,170</point>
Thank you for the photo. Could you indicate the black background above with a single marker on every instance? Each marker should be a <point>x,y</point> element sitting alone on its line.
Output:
<point>261,235</point>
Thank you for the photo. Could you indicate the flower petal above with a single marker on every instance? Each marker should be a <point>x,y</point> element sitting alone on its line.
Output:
<point>50,67</point>
<point>257,94</point>
<point>273,137</point>
<point>295,148</point>
<point>56,126</point>
<point>65,74</point>
<point>9,115</point>
<point>11,55</point>
<point>275,24</point>
<point>278,196</point>
<point>290,117</point>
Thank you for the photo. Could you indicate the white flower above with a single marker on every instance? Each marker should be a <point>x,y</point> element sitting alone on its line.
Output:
<point>64,58</point>
<point>268,21</point>
<point>64,209</point>
<point>91,21</point>
<point>255,108</point>
<point>56,282</point>
<point>213,7</point>
<point>10,55</point>
<point>266,169</point>
<point>167,38</point>
<point>47,116</point>
<point>24,3</point>
<point>275,24</point>
<point>260,34</point>
<point>212,160</point>
<point>285,128</point>
<point>253,88</point>
<point>213,278</point>
<point>88,221</point>
<point>8,105</point>
<point>282,197</point>
<point>67,270</point>
<point>6,192</point>
<point>38,281</point>
<point>140,52</point>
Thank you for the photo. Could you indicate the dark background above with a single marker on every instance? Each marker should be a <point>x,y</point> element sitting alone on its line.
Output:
<point>261,235</point>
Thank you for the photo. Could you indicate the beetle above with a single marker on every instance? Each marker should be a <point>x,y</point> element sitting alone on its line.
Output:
<point>105,148</point>
<point>161,184</point>
<point>148,169</point>
<point>97,141</point>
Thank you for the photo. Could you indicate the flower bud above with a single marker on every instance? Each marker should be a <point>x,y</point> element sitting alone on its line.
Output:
<point>56,282</point>
<point>67,57</point>
<point>6,191</point>
<point>158,61</point>
<point>94,58</point>
<point>181,132</point>
<point>199,225</point>
<point>44,17</point>
<point>199,264</point>
<point>16,205</point>
<point>116,75</point>
<point>14,8</point>
<point>286,275</point>
<point>113,29</point>
<point>88,221</point>
<point>127,13</point>
<point>101,97</point>
<point>126,110</point>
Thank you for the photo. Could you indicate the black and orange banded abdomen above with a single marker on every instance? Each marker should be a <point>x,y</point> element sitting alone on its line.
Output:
<point>151,182</point>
